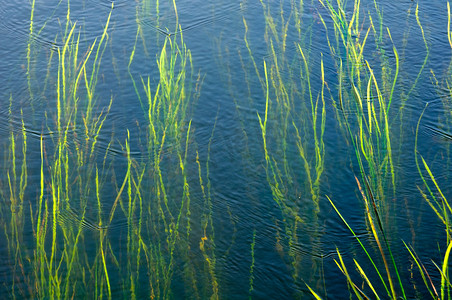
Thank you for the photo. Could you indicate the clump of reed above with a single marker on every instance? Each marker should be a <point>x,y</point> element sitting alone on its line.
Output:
<point>163,235</point>
<point>392,284</point>
<point>390,277</point>
<point>364,101</point>
<point>434,196</point>
<point>74,251</point>
<point>57,265</point>
<point>168,136</point>
<point>371,131</point>
<point>292,126</point>
<point>366,111</point>
<point>14,215</point>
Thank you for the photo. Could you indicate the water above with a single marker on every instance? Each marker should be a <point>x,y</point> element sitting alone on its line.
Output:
<point>125,175</point>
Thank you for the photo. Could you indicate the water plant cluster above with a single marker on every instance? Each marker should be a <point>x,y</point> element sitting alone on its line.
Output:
<point>76,251</point>
<point>66,239</point>
<point>369,111</point>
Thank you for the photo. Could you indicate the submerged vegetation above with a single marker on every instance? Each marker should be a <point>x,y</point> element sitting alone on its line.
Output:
<point>365,95</point>
<point>72,220</point>
<point>293,120</point>
<point>97,209</point>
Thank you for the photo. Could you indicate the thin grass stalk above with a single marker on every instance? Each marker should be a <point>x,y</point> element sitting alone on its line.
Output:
<point>207,243</point>
<point>441,205</point>
<point>132,55</point>
<point>363,274</point>
<point>389,293</point>
<point>445,282</point>
<point>424,273</point>
<point>251,55</point>
<point>449,35</point>
<point>343,268</point>
<point>31,35</point>
<point>101,240</point>
<point>396,74</point>
<point>427,49</point>
<point>370,218</point>
<point>314,294</point>
<point>251,277</point>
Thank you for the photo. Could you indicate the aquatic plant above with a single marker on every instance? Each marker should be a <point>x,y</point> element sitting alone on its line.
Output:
<point>164,232</point>
<point>55,257</point>
<point>378,233</point>
<point>166,116</point>
<point>71,219</point>
<point>13,191</point>
<point>363,103</point>
<point>439,204</point>
<point>52,210</point>
<point>83,219</point>
<point>376,169</point>
<point>292,126</point>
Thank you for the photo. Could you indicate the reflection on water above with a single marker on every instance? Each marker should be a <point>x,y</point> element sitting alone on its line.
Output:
<point>206,149</point>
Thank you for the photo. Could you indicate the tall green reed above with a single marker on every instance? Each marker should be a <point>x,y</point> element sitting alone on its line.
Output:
<point>292,127</point>
<point>59,268</point>
<point>207,242</point>
<point>153,193</point>
<point>432,192</point>
<point>363,101</point>
<point>389,276</point>
<point>363,111</point>
<point>365,143</point>
<point>163,238</point>
<point>14,193</point>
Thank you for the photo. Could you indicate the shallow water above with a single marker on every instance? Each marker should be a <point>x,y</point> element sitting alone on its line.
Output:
<point>94,205</point>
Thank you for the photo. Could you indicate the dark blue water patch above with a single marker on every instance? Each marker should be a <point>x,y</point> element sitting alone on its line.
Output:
<point>217,15</point>
<point>75,218</point>
<point>165,20</point>
<point>436,123</point>
<point>48,29</point>
<point>16,116</point>
<point>12,19</point>
<point>108,3</point>
<point>269,279</point>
